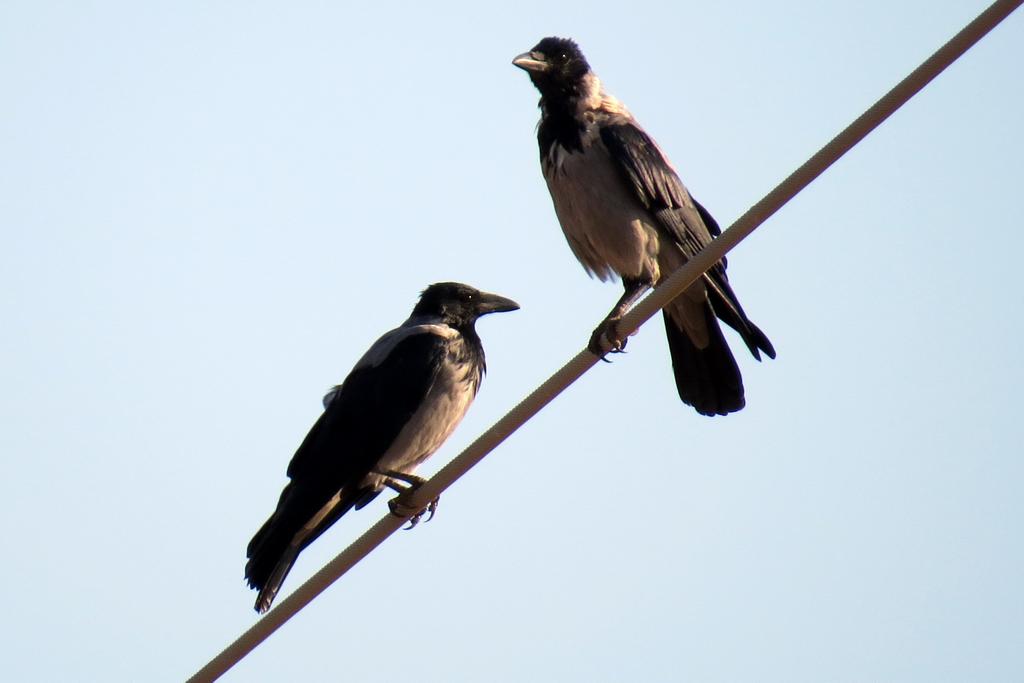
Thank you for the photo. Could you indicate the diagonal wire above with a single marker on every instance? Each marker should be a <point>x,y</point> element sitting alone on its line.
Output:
<point>583,361</point>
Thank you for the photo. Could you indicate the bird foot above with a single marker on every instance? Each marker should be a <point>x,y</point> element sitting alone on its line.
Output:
<point>400,509</point>
<point>405,483</point>
<point>606,339</point>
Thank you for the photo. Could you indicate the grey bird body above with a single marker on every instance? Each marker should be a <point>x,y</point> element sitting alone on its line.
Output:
<point>454,387</point>
<point>609,232</point>
<point>625,212</point>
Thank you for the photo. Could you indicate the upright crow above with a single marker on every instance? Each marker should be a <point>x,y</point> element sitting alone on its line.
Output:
<point>624,211</point>
<point>401,401</point>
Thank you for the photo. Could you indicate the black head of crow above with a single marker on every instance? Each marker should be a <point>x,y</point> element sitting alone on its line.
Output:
<point>556,66</point>
<point>625,213</point>
<point>399,403</point>
<point>460,305</point>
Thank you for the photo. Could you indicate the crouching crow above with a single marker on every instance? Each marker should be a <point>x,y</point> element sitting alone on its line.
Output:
<point>401,401</point>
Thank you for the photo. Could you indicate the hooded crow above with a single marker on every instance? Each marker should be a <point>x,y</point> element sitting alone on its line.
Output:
<point>625,212</point>
<point>401,401</point>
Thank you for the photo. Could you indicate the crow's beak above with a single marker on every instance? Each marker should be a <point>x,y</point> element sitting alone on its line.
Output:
<point>492,303</point>
<point>531,61</point>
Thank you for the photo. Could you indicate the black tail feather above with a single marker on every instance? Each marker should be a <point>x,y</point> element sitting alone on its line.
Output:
<point>275,547</point>
<point>270,587</point>
<point>727,308</point>
<point>271,553</point>
<point>707,379</point>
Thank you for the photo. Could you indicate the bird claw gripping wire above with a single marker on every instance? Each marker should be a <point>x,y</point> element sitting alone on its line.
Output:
<point>405,484</point>
<point>605,339</point>
<point>400,509</point>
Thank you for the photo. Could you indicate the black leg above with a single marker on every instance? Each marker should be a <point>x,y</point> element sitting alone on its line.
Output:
<point>605,338</point>
<point>394,480</point>
<point>410,479</point>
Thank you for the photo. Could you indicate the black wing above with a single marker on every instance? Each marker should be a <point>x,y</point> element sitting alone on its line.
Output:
<point>364,416</point>
<point>368,410</point>
<point>657,186</point>
<point>659,189</point>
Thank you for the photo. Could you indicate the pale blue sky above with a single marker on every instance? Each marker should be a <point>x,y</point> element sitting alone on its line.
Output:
<point>210,210</point>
